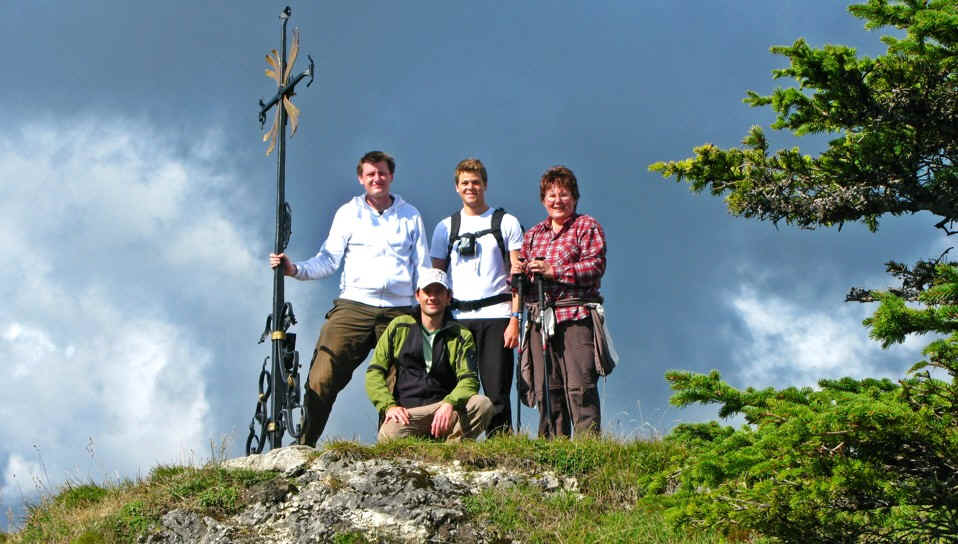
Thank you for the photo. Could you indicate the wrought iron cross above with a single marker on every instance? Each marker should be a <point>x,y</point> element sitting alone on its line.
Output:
<point>279,387</point>
<point>279,71</point>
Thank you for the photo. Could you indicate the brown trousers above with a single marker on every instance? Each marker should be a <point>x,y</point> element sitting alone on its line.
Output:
<point>573,390</point>
<point>348,335</point>
<point>466,423</point>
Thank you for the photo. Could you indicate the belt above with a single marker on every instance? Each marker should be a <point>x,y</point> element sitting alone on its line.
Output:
<point>470,305</point>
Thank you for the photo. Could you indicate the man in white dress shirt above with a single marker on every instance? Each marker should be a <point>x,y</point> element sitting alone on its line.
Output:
<point>381,240</point>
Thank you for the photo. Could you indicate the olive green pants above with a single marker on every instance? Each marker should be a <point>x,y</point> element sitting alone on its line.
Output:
<point>348,335</point>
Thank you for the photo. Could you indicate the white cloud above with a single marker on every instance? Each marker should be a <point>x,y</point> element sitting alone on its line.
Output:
<point>21,479</point>
<point>793,344</point>
<point>123,259</point>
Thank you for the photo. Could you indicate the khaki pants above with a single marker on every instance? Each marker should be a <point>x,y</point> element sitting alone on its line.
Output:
<point>467,423</point>
<point>573,385</point>
<point>348,335</point>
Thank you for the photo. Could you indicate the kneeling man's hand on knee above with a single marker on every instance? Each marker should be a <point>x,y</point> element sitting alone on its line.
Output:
<point>397,414</point>
<point>442,420</point>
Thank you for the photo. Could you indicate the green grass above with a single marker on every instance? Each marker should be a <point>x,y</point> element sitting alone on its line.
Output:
<point>350,538</point>
<point>612,477</point>
<point>92,514</point>
<point>609,507</point>
<point>609,470</point>
<point>528,515</point>
<point>81,495</point>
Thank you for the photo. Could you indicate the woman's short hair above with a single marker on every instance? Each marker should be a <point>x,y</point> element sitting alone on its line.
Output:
<point>559,176</point>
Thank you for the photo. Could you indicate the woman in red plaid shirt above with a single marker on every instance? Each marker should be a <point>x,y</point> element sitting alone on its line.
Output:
<point>568,250</point>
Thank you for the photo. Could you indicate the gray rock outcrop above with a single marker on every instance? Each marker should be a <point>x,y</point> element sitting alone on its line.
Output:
<point>384,500</point>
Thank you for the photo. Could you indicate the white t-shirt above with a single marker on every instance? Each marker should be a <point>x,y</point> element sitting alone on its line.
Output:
<point>481,275</point>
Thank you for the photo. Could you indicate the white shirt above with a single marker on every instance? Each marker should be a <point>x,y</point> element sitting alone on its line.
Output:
<point>484,274</point>
<point>382,253</point>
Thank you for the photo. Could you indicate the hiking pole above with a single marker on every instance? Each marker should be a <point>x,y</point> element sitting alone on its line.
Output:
<point>547,360</point>
<point>519,280</point>
<point>279,395</point>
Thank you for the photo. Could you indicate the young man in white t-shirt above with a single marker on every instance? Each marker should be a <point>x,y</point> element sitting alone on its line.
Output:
<point>477,261</point>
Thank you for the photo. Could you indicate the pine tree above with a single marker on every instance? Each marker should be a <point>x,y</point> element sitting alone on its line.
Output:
<point>850,461</point>
<point>895,117</point>
<point>853,460</point>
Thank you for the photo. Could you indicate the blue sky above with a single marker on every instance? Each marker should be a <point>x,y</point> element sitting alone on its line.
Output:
<point>136,202</point>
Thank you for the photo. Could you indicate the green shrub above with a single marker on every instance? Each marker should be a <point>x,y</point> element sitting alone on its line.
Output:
<point>166,473</point>
<point>850,461</point>
<point>220,498</point>
<point>132,519</point>
<point>91,536</point>
<point>350,538</point>
<point>81,495</point>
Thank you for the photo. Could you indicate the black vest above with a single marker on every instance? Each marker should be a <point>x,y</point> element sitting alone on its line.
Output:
<point>414,386</point>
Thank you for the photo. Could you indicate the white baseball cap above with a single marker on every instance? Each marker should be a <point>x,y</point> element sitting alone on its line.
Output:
<point>429,276</point>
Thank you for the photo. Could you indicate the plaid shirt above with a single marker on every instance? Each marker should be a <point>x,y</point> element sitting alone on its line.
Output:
<point>577,255</point>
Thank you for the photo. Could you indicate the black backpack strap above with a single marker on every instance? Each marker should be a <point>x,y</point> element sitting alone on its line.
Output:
<point>495,229</point>
<point>454,221</point>
<point>497,232</point>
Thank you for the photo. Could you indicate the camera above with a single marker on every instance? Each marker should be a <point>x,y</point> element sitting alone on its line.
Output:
<point>466,245</point>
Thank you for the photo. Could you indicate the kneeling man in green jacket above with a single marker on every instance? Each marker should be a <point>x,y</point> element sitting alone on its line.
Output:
<point>423,374</point>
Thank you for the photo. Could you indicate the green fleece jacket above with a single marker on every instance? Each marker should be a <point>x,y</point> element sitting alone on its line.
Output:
<point>460,354</point>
